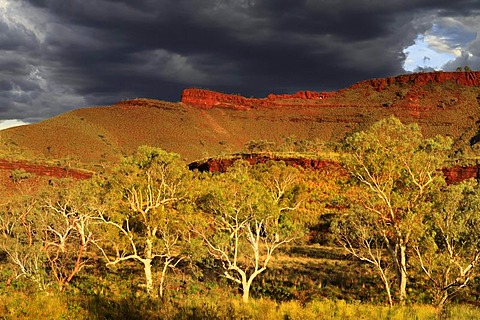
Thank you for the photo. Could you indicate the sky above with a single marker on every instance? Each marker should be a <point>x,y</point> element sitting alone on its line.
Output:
<point>59,55</point>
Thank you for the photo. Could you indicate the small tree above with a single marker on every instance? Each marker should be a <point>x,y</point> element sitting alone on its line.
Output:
<point>20,240</point>
<point>397,170</point>
<point>68,218</point>
<point>253,146</point>
<point>448,252</point>
<point>47,237</point>
<point>140,213</point>
<point>361,235</point>
<point>247,219</point>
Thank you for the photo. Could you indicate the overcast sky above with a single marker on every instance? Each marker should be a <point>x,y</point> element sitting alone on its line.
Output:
<point>57,55</point>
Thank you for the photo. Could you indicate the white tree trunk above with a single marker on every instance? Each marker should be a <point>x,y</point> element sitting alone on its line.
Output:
<point>246,290</point>
<point>403,274</point>
<point>147,267</point>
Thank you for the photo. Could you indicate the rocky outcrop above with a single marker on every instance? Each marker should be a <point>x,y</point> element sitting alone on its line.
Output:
<point>457,174</point>
<point>42,170</point>
<point>222,164</point>
<point>309,95</point>
<point>206,99</point>
<point>454,174</point>
<point>470,78</point>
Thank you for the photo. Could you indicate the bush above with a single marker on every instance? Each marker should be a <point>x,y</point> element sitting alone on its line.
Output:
<point>18,175</point>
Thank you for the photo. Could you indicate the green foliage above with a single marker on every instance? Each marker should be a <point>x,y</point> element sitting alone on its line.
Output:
<point>152,221</point>
<point>248,215</point>
<point>74,306</point>
<point>46,238</point>
<point>448,253</point>
<point>397,172</point>
<point>18,175</point>
<point>21,242</point>
<point>293,144</point>
<point>141,212</point>
<point>255,146</point>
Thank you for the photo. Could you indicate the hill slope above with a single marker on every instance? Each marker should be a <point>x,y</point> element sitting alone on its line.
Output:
<point>207,123</point>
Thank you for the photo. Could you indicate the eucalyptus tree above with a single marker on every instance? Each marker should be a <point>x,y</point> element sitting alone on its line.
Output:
<point>448,252</point>
<point>47,237</point>
<point>141,213</point>
<point>21,243</point>
<point>397,172</point>
<point>68,229</point>
<point>247,216</point>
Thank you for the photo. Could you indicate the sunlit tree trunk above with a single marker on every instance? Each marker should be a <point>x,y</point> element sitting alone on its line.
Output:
<point>403,274</point>
<point>147,267</point>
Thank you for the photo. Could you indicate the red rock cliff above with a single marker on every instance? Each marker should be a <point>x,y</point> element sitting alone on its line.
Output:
<point>471,78</point>
<point>222,164</point>
<point>206,99</point>
<point>457,174</point>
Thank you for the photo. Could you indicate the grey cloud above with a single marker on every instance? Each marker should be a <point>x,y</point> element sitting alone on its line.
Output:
<point>95,52</point>
<point>465,60</point>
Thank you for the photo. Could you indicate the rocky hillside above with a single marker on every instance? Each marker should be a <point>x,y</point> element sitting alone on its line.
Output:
<point>205,123</point>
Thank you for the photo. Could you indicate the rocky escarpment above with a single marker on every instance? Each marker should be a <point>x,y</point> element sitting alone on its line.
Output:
<point>470,79</point>
<point>209,123</point>
<point>42,170</point>
<point>222,164</point>
<point>206,99</point>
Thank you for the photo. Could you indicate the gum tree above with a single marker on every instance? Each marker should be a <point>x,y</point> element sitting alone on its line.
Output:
<point>140,214</point>
<point>47,237</point>
<point>247,216</point>
<point>68,217</point>
<point>397,171</point>
<point>448,252</point>
<point>20,241</point>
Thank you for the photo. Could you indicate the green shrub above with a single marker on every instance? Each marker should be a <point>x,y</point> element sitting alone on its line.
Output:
<point>18,175</point>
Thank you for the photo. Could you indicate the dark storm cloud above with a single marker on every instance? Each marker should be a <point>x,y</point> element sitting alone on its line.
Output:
<point>63,54</point>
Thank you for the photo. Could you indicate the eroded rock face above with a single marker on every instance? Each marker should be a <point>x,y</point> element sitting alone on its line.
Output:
<point>206,99</point>
<point>221,165</point>
<point>471,78</point>
<point>458,174</point>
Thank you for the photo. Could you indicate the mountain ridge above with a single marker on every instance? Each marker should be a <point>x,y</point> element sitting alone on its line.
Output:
<point>207,123</point>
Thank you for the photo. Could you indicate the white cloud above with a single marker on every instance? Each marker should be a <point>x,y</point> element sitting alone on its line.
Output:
<point>17,14</point>
<point>422,55</point>
<point>448,43</point>
<point>5,124</point>
<point>440,45</point>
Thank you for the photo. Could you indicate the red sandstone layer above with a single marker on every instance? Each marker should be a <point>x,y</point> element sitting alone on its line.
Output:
<point>206,99</point>
<point>40,170</point>
<point>471,78</point>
